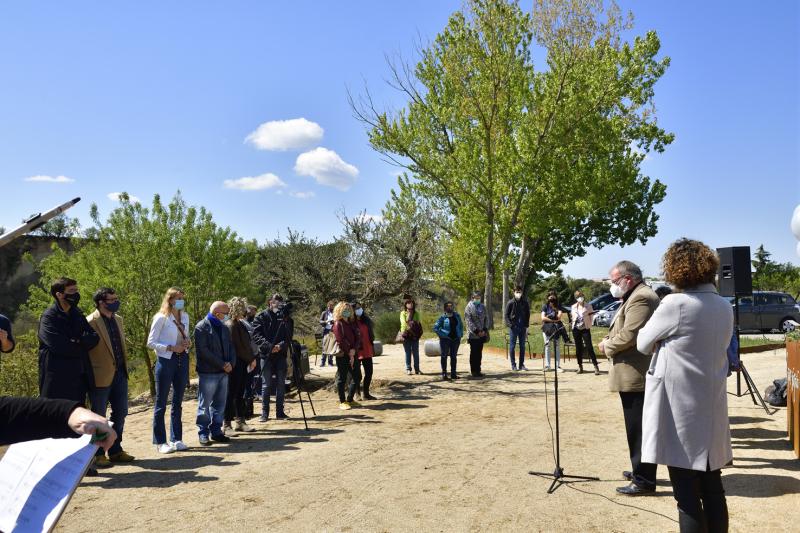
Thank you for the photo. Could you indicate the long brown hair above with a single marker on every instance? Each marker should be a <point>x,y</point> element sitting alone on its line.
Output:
<point>166,306</point>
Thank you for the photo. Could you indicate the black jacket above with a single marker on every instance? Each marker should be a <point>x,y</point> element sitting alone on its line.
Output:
<point>24,419</point>
<point>65,370</point>
<point>517,312</point>
<point>269,330</point>
<point>213,347</point>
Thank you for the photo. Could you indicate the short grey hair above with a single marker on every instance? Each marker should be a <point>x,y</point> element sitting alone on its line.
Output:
<point>628,268</point>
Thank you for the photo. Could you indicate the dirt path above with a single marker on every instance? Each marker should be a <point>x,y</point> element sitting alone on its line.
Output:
<point>433,456</point>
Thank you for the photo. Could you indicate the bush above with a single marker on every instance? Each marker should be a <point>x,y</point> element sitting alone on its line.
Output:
<point>19,370</point>
<point>386,325</point>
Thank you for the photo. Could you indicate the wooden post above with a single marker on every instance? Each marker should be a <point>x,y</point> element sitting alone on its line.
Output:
<point>793,394</point>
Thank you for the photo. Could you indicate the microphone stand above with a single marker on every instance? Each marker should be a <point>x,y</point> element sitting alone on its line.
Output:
<point>558,474</point>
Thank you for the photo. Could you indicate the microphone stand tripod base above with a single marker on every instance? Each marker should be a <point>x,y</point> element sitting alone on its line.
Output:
<point>558,476</point>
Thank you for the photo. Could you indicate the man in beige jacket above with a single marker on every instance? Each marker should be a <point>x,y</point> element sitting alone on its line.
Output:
<point>110,364</point>
<point>628,366</point>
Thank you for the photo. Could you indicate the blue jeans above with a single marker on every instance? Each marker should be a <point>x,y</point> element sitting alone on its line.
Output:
<point>273,367</point>
<point>117,395</point>
<point>412,347</point>
<point>449,349</point>
<point>211,396</point>
<point>513,337</point>
<point>553,342</point>
<point>172,373</point>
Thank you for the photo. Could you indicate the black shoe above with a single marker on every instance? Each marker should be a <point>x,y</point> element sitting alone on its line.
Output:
<point>368,396</point>
<point>580,370</point>
<point>220,438</point>
<point>453,376</point>
<point>282,416</point>
<point>627,475</point>
<point>633,489</point>
<point>418,371</point>
<point>444,377</point>
<point>91,472</point>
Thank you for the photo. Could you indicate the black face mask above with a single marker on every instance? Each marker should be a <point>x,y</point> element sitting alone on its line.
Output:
<point>72,299</point>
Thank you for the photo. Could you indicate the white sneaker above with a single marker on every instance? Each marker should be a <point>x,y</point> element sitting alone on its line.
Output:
<point>164,448</point>
<point>179,446</point>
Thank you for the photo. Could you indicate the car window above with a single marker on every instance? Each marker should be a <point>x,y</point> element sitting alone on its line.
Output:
<point>761,299</point>
<point>789,300</point>
<point>774,299</point>
<point>746,300</point>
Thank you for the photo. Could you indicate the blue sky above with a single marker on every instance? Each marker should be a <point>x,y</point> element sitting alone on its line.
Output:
<point>152,97</point>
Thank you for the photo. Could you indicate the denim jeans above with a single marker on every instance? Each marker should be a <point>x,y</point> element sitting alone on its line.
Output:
<point>555,344</point>
<point>211,396</point>
<point>411,347</point>
<point>449,349</point>
<point>277,384</point>
<point>513,337</point>
<point>117,395</point>
<point>170,373</point>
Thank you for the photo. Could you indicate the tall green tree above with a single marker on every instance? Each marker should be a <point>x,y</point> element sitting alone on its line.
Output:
<point>532,165</point>
<point>142,252</point>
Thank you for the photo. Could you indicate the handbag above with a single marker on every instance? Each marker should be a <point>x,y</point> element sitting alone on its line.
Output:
<point>330,346</point>
<point>399,338</point>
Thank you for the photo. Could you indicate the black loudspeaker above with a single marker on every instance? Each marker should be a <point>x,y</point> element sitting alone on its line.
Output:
<point>734,274</point>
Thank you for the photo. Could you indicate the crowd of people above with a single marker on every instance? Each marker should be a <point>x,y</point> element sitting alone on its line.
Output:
<point>668,357</point>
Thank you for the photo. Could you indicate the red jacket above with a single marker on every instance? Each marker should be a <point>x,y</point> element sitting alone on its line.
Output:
<point>365,351</point>
<point>347,336</point>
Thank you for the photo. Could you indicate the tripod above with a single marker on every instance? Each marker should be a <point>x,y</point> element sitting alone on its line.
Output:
<point>299,380</point>
<point>558,474</point>
<point>741,370</point>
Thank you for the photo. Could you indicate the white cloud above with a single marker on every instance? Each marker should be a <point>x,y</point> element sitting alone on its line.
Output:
<point>302,195</point>
<point>114,197</point>
<point>256,183</point>
<point>50,179</point>
<point>366,217</point>
<point>282,135</point>
<point>327,168</point>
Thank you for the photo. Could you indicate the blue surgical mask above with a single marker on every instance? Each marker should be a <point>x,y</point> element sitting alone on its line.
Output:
<point>476,301</point>
<point>178,305</point>
<point>346,314</point>
<point>226,318</point>
<point>359,312</point>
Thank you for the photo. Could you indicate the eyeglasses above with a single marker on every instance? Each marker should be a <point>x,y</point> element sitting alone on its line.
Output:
<point>616,281</point>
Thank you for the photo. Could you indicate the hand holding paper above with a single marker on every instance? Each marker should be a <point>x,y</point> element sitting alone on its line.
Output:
<point>84,422</point>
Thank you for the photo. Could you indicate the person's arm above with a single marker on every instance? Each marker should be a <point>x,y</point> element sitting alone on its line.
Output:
<point>637,313</point>
<point>437,326</point>
<point>664,323</point>
<point>403,322</point>
<point>24,419</point>
<point>89,337</point>
<point>7,343</point>
<point>153,339</point>
<point>507,313</point>
<point>341,337</point>
<point>59,342</point>
<point>260,326</point>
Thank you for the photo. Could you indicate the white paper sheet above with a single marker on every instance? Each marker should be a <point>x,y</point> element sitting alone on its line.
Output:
<point>37,479</point>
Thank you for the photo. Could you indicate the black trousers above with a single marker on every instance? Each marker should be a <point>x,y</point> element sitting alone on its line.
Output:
<point>644,474</point>
<point>344,371</point>
<point>366,365</point>
<point>701,500</point>
<point>583,342</point>
<point>475,356</point>
<point>235,406</point>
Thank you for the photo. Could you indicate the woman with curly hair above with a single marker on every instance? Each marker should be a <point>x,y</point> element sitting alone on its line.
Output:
<point>345,329</point>
<point>235,407</point>
<point>685,415</point>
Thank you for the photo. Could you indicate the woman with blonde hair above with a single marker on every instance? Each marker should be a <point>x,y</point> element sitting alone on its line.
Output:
<point>169,338</point>
<point>241,336</point>
<point>685,416</point>
<point>347,334</point>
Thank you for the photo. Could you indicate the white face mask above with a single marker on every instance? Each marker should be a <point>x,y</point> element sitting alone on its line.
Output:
<point>517,295</point>
<point>617,291</point>
<point>580,299</point>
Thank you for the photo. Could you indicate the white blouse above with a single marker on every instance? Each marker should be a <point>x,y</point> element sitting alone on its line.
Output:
<point>164,332</point>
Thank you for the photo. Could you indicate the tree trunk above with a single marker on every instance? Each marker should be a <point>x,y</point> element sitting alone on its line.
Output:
<point>488,288</point>
<point>504,299</point>
<point>525,264</point>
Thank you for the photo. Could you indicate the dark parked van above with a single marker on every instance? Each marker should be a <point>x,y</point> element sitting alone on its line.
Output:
<point>767,311</point>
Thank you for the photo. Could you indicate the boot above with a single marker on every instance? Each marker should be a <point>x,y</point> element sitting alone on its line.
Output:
<point>580,369</point>
<point>689,524</point>
<point>596,371</point>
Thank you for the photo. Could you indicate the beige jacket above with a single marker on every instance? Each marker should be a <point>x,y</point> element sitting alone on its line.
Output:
<point>628,365</point>
<point>102,356</point>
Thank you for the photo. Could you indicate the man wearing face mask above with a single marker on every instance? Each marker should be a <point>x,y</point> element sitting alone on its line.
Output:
<point>65,338</point>
<point>216,356</point>
<point>273,334</point>
<point>628,366</point>
<point>517,318</point>
<point>110,367</point>
<point>477,318</point>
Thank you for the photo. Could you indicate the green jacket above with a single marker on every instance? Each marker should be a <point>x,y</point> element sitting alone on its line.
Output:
<point>404,319</point>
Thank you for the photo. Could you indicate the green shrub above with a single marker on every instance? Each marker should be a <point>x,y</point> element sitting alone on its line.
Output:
<point>19,370</point>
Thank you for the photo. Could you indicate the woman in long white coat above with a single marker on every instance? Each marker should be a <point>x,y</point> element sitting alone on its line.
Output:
<point>685,416</point>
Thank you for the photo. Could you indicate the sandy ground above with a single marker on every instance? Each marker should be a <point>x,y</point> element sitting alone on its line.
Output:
<point>433,456</point>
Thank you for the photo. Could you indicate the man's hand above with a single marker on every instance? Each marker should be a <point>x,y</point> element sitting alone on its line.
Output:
<point>601,347</point>
<point>227,368</point>
<point>276,348</point>
<point>3,335</point>
<point>84,422</point>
